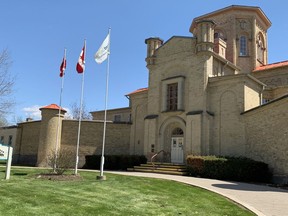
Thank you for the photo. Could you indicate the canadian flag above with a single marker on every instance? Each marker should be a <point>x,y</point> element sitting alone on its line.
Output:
<point>80,67</point>
<point>63,66</point>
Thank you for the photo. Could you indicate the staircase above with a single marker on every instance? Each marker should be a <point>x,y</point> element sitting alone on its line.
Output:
<point>163,168</point>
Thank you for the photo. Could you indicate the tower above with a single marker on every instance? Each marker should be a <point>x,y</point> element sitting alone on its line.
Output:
<point>48,132</point>
<point>153,44</point>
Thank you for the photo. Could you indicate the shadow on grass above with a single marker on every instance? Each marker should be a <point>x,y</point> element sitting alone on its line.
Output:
<point>20,174</point>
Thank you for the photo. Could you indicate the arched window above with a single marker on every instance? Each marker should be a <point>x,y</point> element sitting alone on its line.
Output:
<point>243,45</point>
<point>260,48</point>
<point>218,34</point>
<point>177,132</point>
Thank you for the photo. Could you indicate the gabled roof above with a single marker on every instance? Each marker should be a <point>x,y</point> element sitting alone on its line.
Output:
<point>137,91</point>
<point>53,106</point>
<point>271,66</point>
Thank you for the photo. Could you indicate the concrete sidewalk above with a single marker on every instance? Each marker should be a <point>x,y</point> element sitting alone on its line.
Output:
<point>262,200</point>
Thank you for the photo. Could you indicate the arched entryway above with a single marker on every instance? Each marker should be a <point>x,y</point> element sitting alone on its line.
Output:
<point>177,142</point>
<point>171,135</point>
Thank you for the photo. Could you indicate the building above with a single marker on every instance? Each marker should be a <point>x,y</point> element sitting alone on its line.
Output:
<point>213,93</point>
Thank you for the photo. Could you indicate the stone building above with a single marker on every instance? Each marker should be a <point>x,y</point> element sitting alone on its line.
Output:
<point>213,93</point>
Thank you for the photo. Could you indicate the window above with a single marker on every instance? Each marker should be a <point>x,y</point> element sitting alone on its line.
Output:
<point>177,132</point>
<point>260,48</point>
<point>172,96</point>
<point>265,100</point>
<point>2,139</point>
<point>218,34</point>
<point>117,118</point>
<point>10,140</point>
<point>243,46</point>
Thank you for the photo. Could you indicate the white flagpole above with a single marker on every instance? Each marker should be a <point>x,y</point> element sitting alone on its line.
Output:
<point>102,177</point>
<point>80,116</point>
<point>60,107</point>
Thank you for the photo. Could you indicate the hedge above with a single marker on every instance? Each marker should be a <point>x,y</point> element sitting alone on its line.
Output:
<point>228,168</point>
<point>114,162</point>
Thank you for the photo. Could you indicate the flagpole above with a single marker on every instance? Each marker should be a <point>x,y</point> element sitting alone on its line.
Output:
<point>102,177</point>
<point>80,117</point>
<point>60,105</point>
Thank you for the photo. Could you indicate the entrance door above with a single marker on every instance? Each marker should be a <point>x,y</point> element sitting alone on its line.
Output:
<point>177,150</point>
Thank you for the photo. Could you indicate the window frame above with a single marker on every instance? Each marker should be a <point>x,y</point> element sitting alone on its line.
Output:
<point>179,80</point>
<point>243,45</point>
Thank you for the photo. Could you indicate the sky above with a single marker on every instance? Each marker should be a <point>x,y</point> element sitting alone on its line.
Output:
<point>36,32</point>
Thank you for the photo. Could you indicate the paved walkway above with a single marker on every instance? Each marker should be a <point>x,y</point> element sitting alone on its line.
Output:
<point>262,200</point>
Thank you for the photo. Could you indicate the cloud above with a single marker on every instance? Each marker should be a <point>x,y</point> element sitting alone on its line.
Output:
<point>32,112</point>
<point>35,113</point>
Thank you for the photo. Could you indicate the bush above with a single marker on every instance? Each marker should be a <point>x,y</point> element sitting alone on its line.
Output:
<point>228,168</point>
<point>62,161</point>
<point>114,162</point>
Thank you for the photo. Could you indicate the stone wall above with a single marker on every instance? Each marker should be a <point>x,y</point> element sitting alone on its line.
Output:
<point>91,137</point>
<point>27,142</point>
<point>115,115</point>
<point>267,135</point>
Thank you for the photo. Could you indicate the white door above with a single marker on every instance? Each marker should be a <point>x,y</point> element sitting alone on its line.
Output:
<point>177,150</point>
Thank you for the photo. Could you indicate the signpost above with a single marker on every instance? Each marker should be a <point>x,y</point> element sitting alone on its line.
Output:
<point>6,153</point>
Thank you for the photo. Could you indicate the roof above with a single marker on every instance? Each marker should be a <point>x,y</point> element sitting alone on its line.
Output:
<point>137,91</point>
<point>271,66</point>
<point>258,10</point>
<point>53,106</point>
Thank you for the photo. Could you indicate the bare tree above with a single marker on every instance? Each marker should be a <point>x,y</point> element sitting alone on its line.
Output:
<point>6,84</point>
<point>75,112</point>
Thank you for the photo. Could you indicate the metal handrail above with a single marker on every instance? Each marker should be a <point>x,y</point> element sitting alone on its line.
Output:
<point>156,155</point>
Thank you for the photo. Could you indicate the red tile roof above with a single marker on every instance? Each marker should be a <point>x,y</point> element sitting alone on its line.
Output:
<point>271,66</point>
<point>53,106</point>
<point>138,91</point>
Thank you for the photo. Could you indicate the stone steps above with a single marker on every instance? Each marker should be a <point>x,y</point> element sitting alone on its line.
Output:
<point>163,168</point>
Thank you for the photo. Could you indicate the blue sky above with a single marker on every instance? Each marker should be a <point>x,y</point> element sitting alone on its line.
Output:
<point>37,31</point>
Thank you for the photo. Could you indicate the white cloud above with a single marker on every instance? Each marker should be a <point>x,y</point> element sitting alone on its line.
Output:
<point>35,113</point>
<point>32,112</point>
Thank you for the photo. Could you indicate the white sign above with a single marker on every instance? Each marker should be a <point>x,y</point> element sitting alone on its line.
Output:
<point>6,153</point>
<point>3,152</point>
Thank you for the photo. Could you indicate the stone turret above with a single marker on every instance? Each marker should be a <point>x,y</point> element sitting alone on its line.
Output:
<point>153,44</point>
<point>205,35</point>
<point>48,132</point>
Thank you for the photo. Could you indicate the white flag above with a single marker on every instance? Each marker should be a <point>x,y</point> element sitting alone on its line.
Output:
<point>104,50</point>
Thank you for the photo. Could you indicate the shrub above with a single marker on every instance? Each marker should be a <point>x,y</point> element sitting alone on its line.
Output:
<point>114,162</point>
<point>228,168</point>
<point>62,161</point>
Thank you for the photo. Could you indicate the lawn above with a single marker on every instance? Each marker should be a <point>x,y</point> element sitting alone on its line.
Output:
<point>24,194</point>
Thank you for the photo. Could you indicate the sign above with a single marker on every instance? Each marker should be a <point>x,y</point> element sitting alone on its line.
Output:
<point>4,152</point>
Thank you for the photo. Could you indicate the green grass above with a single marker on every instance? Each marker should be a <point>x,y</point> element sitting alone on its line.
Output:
<point>24,194</point>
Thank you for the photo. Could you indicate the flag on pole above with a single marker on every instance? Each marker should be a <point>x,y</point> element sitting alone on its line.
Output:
<point>63,66</point>
<point>104,50</point>
<point>80,67</point>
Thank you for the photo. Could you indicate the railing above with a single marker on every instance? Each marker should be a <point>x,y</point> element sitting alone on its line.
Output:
<point>155,155</point>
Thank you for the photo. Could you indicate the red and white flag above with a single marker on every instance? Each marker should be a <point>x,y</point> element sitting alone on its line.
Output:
<point>63,66</point>
<point>80,67</point>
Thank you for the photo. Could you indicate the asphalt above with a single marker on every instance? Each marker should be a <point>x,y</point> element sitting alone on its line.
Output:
<point>260,199</point>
